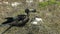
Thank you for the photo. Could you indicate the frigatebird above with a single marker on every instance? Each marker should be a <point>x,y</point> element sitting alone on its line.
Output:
<point>19,20</point>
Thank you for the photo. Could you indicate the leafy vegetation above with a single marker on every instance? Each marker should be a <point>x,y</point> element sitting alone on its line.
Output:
<point>46,3</point>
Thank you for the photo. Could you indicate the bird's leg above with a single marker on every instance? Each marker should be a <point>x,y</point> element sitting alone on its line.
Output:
<point>6,30</point>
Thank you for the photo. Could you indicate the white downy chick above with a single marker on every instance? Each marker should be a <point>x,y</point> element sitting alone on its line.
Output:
<point>37,20</point>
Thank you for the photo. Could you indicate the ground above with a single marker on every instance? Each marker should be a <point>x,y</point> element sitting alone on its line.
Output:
<point>50,13</point>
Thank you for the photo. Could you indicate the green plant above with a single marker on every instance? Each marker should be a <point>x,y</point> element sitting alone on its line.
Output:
<point>50,2</point>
